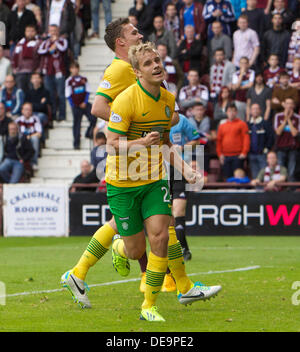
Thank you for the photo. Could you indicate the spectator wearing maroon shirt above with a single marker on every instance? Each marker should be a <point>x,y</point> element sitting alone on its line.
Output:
<point>191,14</point>
<point>287,129</point>
<point>25,58</point>
<point>265,5</point>
<point>190,51</point>
<point>272,73</point>
<point>192,93</point>
<point>53,51</point>
<point>77,92</point>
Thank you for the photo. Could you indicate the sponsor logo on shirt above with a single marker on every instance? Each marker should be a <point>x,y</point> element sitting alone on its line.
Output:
<point>115,117</point>
<point>105,84</point>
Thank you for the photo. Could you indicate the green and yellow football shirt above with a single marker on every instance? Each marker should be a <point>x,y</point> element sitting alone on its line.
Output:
<point>118,76</point>
<point>134,113</point>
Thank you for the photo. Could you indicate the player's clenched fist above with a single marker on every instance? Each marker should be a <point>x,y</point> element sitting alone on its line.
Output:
<point>152,138</point>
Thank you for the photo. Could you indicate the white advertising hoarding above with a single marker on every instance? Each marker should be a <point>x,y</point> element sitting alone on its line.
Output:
<point>35,210</point>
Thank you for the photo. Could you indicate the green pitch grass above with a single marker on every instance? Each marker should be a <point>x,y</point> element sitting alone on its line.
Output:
<point>255,300</point>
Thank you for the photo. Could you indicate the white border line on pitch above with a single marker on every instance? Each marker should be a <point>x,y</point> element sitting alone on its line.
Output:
<point>132,280</point>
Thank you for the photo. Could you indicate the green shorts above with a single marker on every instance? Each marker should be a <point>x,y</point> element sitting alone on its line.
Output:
<point>132,205</point>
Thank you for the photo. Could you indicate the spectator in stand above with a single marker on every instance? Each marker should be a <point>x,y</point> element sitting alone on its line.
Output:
<point>261,140</point>
<point>221,73</point>
<point>34,8</point>
<point>144,14</point>
<point>98,153</point>
<point>37,11</point>
<point>224,99</point>
<point>294,46</point>
<point>53,50</point>
<point>95,4</point>
<point>287,129</point>
<point>238,6</point>
<point>86,176</point>
<point>162,35</point>
<point>233,142</point>
<point>60,13</point>
<point>133,20</point>
<point>191,14</point>
<point>239,176</point>
<point>221,11</point>
<point>30,126</point>
<point>190,51</point>
<point>4,121</point>
<point>171,21</point>
<point>38,96</point>
<point>19,19</point>
<point>295,76</point>
<point>78,92</point>
<point>178,4</point>
<point>5,18</point>
<point>157,6</point>
<point>245,42</point>
<point>287,15</point>
<point>242,80</point>
<point>261,95</point>
<point>5,66</point>
<point>199,120</point>
<point>256,18</point>
<point>12,97</point>
<point>272,73</point>
<point>192,93</point>
<point>16,150</point>
<point>276,41</point>
<point>283,91</point>
<point>172,67</point>
<point>272,174</point>
<point>219,41</point>
<point>25,59</point>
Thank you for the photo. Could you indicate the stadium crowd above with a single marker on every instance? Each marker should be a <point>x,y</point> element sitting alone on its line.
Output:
<point>234,67</point>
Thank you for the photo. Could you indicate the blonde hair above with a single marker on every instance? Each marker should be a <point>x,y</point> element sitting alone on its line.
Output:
<point>136,51</point>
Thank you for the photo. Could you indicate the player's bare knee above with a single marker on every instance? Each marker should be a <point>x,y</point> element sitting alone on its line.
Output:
<point>113,224</point>
<point>136,253</point>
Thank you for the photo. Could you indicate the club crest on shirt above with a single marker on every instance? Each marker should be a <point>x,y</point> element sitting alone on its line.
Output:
<point>105,84</point>
<point>168,111</point>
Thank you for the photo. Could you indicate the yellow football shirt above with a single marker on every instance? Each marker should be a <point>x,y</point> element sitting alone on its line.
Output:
<point>134,113</point>
<point>118,76</point>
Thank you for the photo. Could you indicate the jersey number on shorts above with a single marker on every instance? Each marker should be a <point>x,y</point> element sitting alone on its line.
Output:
<point>164,189</point>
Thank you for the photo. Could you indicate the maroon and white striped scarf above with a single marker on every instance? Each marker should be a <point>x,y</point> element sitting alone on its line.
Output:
<point>275,176</point>
<point>217,78</point>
